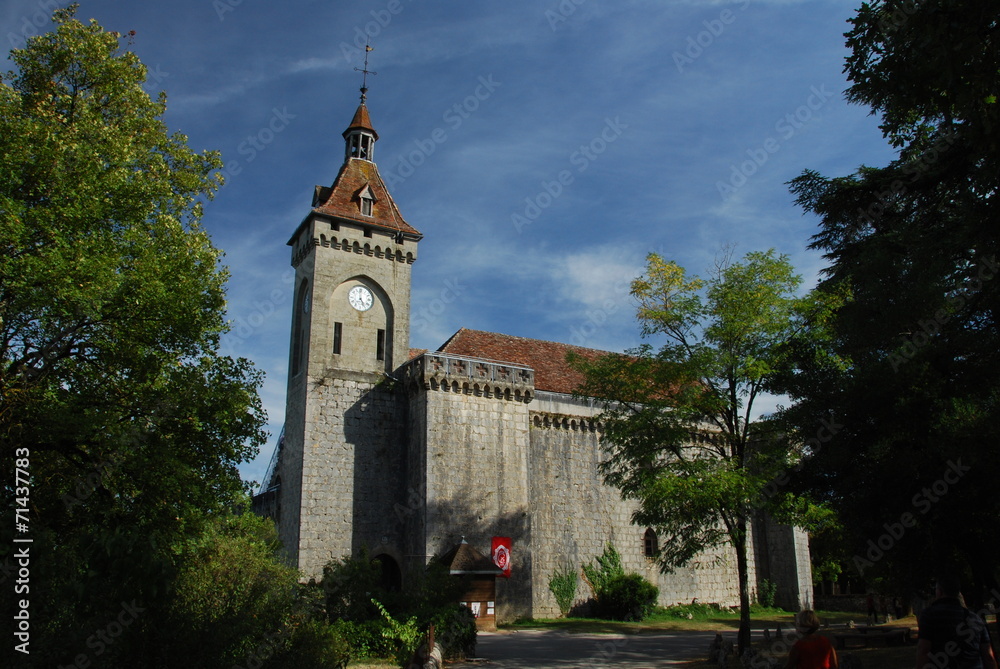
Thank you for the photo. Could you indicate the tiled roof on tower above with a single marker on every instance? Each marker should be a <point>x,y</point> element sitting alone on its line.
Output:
<point>358,194</point>
<point>361,121</point>
<point>357,181</point>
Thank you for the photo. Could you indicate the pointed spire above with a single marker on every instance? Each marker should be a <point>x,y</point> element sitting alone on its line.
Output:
<point>366,72</point>
<point>361,121</point>
<point>360,136</point>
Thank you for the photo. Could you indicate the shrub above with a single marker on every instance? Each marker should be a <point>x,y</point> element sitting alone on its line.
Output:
<point>563,586</point>
<point>430,592</point>
<point>455,630</point>
<point>350,584</point>
<point>404,636</point>
<point>316,645</point>
<point>235,603</point>
<point>766,592</point>
<point>627,597</point>
<point>378,623</point>
<point>609,567</point>
<point>365,639</point>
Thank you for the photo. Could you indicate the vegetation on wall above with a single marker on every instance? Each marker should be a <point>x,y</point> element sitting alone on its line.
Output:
<point>563,584</point>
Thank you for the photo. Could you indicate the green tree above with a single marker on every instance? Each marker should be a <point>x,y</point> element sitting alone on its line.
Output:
<point>678,422</point>
<point>234,604</point>
<point>915,392</point>
<point>111,307</point>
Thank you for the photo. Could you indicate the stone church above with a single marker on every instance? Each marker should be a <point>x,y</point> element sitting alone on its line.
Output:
<point>405,452</point>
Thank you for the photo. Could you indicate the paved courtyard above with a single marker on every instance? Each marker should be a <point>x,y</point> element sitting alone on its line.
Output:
<point>545,649</point>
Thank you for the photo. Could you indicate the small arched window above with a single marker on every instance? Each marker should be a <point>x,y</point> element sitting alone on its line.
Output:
<point>650,546</point>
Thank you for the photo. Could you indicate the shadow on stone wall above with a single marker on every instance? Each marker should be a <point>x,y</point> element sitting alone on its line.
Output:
<point>375,463</point>
<point>449,520</point>
<point>391,515</point>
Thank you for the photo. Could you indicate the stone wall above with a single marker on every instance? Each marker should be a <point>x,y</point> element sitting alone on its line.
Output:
<point>469,444</point>
<point>789,566</point>
<point>289,472</point>
<point>468,448</point>
<point>342,466</point>
<point>353,469</point>
<point>575,515</point>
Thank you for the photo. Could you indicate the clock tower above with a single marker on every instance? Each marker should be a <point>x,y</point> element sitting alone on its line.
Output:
<point>482,438</point>
<point>343,449</point>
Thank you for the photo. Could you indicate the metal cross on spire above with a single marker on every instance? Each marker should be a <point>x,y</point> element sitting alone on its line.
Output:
<point>366,72</point>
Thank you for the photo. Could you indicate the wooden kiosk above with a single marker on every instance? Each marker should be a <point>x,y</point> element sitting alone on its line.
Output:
<point>479,575</point>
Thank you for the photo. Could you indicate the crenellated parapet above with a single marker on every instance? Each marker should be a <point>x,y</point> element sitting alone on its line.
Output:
<point>356,240</point>
<point>471,376</point>
<point>556,421</point>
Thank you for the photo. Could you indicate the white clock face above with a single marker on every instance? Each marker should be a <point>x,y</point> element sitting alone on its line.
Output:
<point>360,298</point>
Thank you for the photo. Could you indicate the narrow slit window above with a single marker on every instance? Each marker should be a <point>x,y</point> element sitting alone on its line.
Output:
<point>380,345</point>
<point>338,333</point>
<point>366,206</point>
<point>299,328</point>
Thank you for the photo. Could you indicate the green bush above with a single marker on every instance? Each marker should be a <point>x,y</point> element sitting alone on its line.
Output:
<point>455,630</point>
<point>404,636</point>
<point>379,623</point>
<point>365,639</point>
<point>563,586</point>
<point>350,584</point>
<point>608,568</point>
<point>627,597</point>
<point>430,592</point>
<point>766,592</point>
<point>316,645</point>
<point>235,603</point>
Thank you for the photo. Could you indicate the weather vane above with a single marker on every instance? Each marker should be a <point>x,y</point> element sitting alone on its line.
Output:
<point>366,71</point>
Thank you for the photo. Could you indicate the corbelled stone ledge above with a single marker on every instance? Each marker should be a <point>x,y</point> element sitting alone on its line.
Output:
<point>472,376</point>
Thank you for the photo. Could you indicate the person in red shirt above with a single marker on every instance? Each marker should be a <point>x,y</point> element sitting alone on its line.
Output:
<point>812,651</point>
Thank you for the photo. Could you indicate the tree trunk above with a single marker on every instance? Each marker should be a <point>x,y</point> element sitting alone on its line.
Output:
<point>740,544</point>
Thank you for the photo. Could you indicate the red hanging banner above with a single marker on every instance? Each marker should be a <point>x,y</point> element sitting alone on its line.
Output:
<point>500,552</point>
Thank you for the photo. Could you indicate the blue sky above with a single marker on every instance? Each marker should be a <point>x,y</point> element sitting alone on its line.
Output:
<point>542,148</point>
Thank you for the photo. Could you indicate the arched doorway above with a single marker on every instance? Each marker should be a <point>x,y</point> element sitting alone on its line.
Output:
<point>392,577</point>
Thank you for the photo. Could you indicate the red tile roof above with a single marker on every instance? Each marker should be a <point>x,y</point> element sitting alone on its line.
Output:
<point>361,121</point>
<point>342,201</point>
<point>547,358</point>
